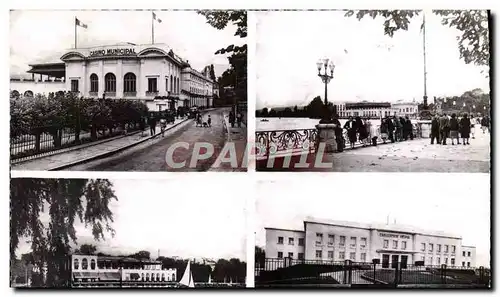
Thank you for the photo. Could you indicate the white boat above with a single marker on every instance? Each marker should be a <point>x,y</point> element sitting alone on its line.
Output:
<point>187,277</point>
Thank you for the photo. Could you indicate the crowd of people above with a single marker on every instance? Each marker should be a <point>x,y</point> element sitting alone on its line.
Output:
<point>444,127</point>
<point>362,130</point>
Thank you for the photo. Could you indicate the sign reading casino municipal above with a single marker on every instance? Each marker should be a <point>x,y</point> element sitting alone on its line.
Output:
<point>113,52</point>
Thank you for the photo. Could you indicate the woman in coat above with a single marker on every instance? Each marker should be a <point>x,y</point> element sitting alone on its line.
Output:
<point>384,130</point>
<point>363,135</point>
<point>351,128</point>
<point>465,128</point>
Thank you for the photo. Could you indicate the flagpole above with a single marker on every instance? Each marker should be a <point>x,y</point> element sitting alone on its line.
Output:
<point>425,62</point>
<point>75,32</point>
<point>152,29</point>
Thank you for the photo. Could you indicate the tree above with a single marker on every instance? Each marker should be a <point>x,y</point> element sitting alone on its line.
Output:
<point>260,256</point>
<point>265,112</point>
<point>212,73</point>
<point>63,201</point>
<point>315,109</point>
<point>473,44</point>
<point>235,76</point>
<point>86,249</point>
<point>141,255</point>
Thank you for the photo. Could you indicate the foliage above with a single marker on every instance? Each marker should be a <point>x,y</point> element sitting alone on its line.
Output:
<point>476,102</point>
<point>473,44</point>
<point>44,212</point>
<point>212,73</point>
<point>86,249</point>
<point>235,76</point>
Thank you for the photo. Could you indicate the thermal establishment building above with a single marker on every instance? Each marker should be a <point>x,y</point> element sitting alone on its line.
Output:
<point>151,73</point>
<point>338,241</point>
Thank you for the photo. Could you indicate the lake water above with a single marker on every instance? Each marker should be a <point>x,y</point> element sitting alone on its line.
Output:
<point>293,123</point>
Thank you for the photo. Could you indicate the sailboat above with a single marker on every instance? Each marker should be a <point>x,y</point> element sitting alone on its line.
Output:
<point>187,278</point>
<point>209,278</point>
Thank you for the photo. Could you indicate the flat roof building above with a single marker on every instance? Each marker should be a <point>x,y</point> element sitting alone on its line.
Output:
<point>337,241</point>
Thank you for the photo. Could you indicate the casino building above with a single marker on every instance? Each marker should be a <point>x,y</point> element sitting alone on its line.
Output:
<point>152,73</point>
<point>339,241</point>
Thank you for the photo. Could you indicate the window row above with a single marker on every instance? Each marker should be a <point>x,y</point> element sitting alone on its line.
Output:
<point>291,241</point>
<point>154,277</point>
<point>438,261</point>
<point>341,255</point>
<point>395,244</point>
<point>129,83</point>
<point>85,264</point>
<point>353,241</point>
<point>430,248</point>
<point>468,254</point>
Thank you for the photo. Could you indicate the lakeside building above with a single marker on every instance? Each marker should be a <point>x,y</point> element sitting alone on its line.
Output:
<point>152,73</point>
<point>330,240</point>
<point>405,108</point>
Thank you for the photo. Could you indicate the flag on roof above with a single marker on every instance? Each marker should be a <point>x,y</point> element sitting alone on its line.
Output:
<point>79,23</point>
<point>155,18</point>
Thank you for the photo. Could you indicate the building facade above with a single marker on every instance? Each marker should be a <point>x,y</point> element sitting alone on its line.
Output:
<point>152,73</point>
<point>338,241</point>
<point>363,109</point>
<point>402,108</point>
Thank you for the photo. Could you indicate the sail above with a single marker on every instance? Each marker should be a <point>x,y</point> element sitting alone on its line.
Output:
<point>209,278</point>
<point>187,278</point>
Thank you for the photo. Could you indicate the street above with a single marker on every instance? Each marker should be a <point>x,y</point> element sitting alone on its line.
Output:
<point>151,156</point>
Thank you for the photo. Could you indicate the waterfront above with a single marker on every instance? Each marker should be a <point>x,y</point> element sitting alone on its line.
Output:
<point>293,123</point>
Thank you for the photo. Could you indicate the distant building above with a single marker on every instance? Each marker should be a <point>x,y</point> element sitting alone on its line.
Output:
<point>402,108</point>
<point>363,109</point>
<point>338,241</point>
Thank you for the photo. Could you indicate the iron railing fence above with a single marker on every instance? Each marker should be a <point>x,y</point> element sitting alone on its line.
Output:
<point>293,271</point>
<point>276,142</point>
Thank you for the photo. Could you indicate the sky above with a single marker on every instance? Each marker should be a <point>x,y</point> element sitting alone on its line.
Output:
<point>369,65</point>
<point>177,218</point>
<point>457,205</point>
<point>44,36</point>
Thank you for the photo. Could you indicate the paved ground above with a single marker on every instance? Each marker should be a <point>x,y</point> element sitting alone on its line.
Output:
<point>238,137</point>
<point>412,156</point>
<point>152,156</point>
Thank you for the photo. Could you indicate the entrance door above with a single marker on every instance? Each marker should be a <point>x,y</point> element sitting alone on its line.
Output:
<point>404,261</point>
<point>394,261</point>
<point>385,261</point>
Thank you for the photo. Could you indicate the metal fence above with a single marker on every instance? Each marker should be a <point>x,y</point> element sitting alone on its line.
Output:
<point>304,140</point>
<point>300,272</point>
<point>45,140</point>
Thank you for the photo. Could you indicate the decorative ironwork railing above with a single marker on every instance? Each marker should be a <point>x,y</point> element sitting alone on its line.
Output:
<point>285,141</point>
<point>281,142</point>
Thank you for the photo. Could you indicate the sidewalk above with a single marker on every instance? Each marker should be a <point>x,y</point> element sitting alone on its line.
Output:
<point>238,136</point>
<point>81,154</point>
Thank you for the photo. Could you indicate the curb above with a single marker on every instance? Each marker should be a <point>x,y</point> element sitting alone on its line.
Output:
<point>110,153</point>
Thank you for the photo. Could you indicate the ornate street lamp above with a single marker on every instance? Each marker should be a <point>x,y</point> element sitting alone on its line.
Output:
<point>328,67</point>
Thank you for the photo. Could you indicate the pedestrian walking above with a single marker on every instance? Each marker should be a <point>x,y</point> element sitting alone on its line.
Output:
<point>163,125</point>
<point>408,128</point>
<point>338,134</point>
<point>142,126</point>
<point>465,129</point>
<point>239,119</point>
<point>391,129</point>
<point>435,129</point>
<point>384,130</point>
<point>232,119</point>
<point>485,124</point>
<point>444,125</point>
<point>472,126</point>
<point>152,124</point>
<point>362,135</point>
<point>350,126</point>
<point>399,129</point>
<point>454,129</point>
<point>209,121</point>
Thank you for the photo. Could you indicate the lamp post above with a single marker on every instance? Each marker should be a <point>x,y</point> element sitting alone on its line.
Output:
<point>326,76</point>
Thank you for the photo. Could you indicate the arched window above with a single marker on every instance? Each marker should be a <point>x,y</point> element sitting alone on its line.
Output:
<point>171,84</point>
<point>163,277</point>
<point>85,264</point>
<point>76,264</point>
<point>94,83</point>
<point>173,277</point>
<point>14,94</point>
<point>28,93</point>
<point>147,277</point>
<point>129,82</point>
<point>92,264</point>
<point>142,276</point>
<point>110,83</point>
<point>157,277</point>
